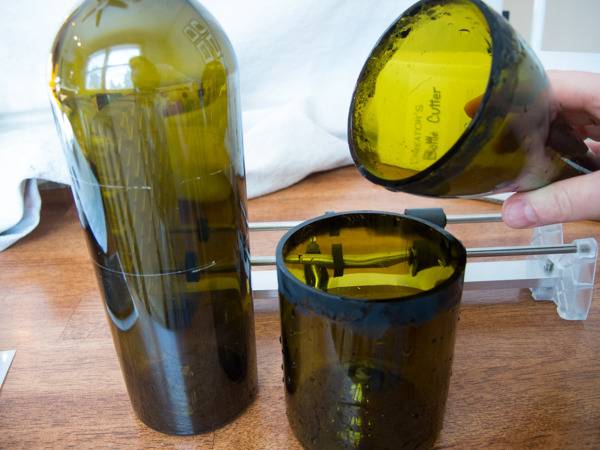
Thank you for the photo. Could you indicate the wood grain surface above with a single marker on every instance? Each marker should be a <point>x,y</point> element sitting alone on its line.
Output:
<point>522,377</point>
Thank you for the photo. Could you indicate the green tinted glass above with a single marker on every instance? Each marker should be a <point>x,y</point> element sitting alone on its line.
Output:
<point>369,304</point>
<point>410,109</point>
<point>452,102</point>
<point>377,260</point>
<point>145,96</point>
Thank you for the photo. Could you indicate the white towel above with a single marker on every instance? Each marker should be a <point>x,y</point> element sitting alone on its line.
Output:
<point>298,60</point>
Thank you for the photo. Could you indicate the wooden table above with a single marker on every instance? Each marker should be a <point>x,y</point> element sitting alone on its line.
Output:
<point>522,378</point>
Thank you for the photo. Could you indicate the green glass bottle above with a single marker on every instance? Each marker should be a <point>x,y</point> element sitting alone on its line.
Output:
<point>452,102</point>
<point>145,97</point>
<point>369,305</point>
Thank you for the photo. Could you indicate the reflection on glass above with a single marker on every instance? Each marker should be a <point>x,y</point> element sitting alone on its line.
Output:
<point>110,69</point>
<point>451,102</point>
<point>151,131</point>
<point>369,305</point>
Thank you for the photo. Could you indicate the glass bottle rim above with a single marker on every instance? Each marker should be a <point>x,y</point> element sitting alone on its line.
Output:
<point>313,292</point>
<point>496,67</point>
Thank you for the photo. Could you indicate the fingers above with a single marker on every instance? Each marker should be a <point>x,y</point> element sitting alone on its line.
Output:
<point>579,118</point>
<point>472,106</point>
<point>577,198</point>
<point>593,146</point>
<point>578,95</point>
<point>592,131</point>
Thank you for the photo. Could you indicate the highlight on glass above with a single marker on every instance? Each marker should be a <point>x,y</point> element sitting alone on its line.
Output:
<point>145,97</point>
<point>369,305</point>
<point>452,102</point>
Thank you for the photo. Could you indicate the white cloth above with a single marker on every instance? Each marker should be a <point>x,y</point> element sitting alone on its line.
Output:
<point>29,150</point>
<point>298,60</point>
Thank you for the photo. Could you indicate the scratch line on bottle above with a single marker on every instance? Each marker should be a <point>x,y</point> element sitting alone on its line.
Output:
<point>160,274</point>
<point>113,186</point>
<point>200,177</point>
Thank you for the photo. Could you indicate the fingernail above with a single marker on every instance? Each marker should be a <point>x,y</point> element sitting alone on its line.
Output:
<point>520,214</point>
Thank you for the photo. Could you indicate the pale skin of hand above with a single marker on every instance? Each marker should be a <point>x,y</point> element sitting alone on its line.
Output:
<point>578,98</point>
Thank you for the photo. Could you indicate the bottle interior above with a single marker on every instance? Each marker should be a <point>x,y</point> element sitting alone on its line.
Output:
<point>420,89</point>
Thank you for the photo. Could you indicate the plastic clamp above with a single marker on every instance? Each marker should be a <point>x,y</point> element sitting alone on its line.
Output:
<point>574,273</point>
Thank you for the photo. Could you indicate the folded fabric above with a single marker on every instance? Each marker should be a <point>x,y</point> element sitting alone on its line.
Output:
<point>29,150</point>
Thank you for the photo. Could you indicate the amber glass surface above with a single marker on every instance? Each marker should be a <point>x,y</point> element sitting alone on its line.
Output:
<point>452,102</point>
<point>369,305</point>
<point>145,96</point>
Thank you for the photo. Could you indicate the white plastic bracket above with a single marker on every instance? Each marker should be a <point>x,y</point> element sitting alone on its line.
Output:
<point>574,273</point>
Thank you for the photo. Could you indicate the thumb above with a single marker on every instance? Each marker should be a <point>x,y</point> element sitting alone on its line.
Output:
<point>576,198</point>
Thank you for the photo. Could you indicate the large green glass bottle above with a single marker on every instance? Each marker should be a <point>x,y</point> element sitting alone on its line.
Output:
<point>145,96</point>
<point>452,102</point>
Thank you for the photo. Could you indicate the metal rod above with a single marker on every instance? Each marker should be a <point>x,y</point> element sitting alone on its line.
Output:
<point>518,274</point>
<point>483,252</point>
<point>261,261</point>
<point>466,218</point>
<point>353,261</point>
<point>515,274</point>
<point>271,226</point>
<point>480,252</point>
<point>474,218</point>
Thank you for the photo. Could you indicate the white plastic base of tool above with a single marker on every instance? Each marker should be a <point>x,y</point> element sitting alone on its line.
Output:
<point>574,273</point>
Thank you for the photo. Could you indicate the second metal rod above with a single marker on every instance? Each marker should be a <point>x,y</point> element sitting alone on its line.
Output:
<point>481,252</point>
<point>465,218</point>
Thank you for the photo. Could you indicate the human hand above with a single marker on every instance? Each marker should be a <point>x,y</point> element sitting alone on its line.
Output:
<point>578,99</point>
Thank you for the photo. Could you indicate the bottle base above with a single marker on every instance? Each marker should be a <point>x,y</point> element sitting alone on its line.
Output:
<point>189,428</point>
